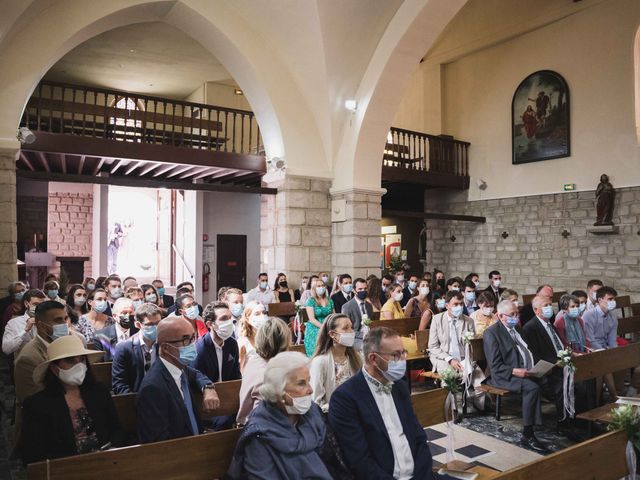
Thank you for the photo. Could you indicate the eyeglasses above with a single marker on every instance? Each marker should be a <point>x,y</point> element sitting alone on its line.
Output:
<point>184,341</point>
<point>396,356</point>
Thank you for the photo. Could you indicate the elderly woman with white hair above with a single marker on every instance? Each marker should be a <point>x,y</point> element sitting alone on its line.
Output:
<point>286,431</point>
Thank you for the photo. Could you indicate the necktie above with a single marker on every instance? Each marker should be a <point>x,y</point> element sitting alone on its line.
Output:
<point>363,309</point>
<point>147,361</point>
<point>524,354</point>
<point>455,343</point>
<point>187,403</point>
<point>554,338</point>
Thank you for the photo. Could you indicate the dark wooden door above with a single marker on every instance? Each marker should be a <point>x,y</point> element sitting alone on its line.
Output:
<point>231,261</point>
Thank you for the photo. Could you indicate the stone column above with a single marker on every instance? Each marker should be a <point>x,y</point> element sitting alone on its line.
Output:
<point>356,232</point>
<point>8,223</point>
<point>295,235</point>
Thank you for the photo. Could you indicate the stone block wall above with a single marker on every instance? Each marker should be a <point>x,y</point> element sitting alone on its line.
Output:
<point>295,235</point>
<point>535,252</point>
<point>70,227</point>
<point>8,227</point>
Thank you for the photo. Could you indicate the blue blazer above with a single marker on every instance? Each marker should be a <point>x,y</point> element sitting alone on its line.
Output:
<point>106,340</point>
<point>127,369</point>
<point>207,360</point>
<point>363,437</point>
<point>162,414</point>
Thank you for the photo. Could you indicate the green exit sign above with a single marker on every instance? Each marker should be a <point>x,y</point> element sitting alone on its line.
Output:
<point>569,187</point>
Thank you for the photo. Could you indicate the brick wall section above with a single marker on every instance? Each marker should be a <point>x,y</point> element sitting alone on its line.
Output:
<point>70,226</point>
<point>535,251</point>
<point>8,227</point>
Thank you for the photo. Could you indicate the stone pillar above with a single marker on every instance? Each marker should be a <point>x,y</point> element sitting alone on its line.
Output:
<point>295,228</point>
<point>356,232</point>
<point>8,223</point>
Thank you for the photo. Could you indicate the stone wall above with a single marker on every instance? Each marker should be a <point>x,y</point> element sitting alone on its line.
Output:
<point>8,228</point>
<point>295,235</point>
<point>70,227</point>
<point>535,252</point>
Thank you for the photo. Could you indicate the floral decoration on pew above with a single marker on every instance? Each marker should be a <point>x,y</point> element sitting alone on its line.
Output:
<point>450,380</point>
<point>565,360</point>
<point>467,337</point>
<point>627,418</point>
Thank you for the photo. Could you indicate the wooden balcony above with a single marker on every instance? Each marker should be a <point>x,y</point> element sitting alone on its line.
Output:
<point>425,160</point>
<point>123,138</point>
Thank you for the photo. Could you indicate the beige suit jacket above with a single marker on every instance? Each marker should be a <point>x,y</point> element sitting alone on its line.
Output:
<point>440,341</point>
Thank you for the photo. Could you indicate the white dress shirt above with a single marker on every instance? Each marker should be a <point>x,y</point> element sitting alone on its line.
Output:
<point>15,337</point>
<point>176,374</point>
<point>454,342</point>
<point>264,297</point>
<point>402,457</point>
<point>122,335</point>
<point>218,354</point>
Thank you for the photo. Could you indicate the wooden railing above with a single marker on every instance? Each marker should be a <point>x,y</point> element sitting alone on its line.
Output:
<point>428,153</point>
<point>128,117</point>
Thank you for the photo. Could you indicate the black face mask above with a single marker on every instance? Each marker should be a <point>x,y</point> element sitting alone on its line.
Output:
<point>284,284</point>
<point>441,283</point>
<point>362,295</point>
<point>125,321</point>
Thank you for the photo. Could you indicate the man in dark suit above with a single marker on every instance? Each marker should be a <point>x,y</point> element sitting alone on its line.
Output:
<point>545,343</point>
<point>134,357</point>
<point>387,281</point>
<point>345,294</point>
<point>373,419</point>
<point>495,280</point>
<point>356,307</point>
<point>527,312</point>
<point>410,290</point>
<point>107,338</point>
<point>218,355</point>
<point>167,300</point>
<point>509,360</point>
<point>165,403</point>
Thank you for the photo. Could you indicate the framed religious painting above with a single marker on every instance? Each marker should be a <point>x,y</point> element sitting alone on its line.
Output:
<point>540,118</point>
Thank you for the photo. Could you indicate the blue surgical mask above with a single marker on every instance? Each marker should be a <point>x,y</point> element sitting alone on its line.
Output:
<point>192,312</point>
<point>611,305</point>
<point>574,312</point>
<point>188,354</point>
<point>320,291</point>
<point>583,307</point>
<point>150,332</point>
<point>19,296</point>
<point>91,286</point>
<point>264,285</point>
<point>413,285</point>
<point>547,312</point>
<point>160,291</point>
<point>470,296</point>
<point>116,292</point>
<point>512,322</point>
<point>457,311</point>
<point>151,298</point>
<point>79,301</point>
<point>440,303</point>
<point>395,370</point>
<point>59,330</point>
<point>347,288</point>
<point>52,294</point>
<point>100,306</point>
<point>136,304</point>
<point>237,309</point>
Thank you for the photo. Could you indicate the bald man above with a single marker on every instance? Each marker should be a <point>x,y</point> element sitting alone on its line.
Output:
<point>165,403</point>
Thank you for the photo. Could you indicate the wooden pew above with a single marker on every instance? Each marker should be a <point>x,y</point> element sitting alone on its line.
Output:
<point>102,372</point>
<point>202,457</point>
<point>623,303</point>
<point>404,326</point>
<point>628,325</point>
<point>635,308</point>
<point>526,299</point>
<point>228,392</point>
<point>282,309</point>
<point>297,348</point>
<point>601,458</point>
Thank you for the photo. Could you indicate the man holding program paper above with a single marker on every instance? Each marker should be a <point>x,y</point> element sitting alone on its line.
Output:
<point>510,362</point>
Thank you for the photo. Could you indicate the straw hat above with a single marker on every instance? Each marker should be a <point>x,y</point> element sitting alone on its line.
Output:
<point>64,347</point>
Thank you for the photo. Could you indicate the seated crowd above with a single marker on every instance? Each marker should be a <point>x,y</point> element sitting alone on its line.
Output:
<point>322,413</point>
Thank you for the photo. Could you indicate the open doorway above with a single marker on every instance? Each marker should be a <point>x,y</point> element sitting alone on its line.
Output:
<point>140,233</point>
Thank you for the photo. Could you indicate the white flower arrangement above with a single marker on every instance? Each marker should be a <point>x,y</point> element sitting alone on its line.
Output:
<point>565,359</point>
<point>467,337</point>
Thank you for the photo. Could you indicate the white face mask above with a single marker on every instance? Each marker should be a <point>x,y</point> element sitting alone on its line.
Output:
<point>398,297</point>
<point>74,375</point>
<point>487,311</point>
<point>301,405</point>
<point>497,283</point>
<point>225,329</point>
<point>257,321</point>
<point>424,291</point>
<point>347,339</point>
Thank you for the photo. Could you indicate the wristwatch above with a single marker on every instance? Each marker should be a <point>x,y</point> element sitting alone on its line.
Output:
<point>209,386</point>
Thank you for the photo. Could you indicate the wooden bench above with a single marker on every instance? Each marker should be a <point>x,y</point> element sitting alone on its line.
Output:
<point>624,302</point>
<point>635,308</point>
<point>282,309</point>
<point>404,326</point>
<point>628,325</point>
<point>102,372</point>
<point>601,458</point>
<point>228,392</point>
<point>526,299</point>
<point>202,457</point>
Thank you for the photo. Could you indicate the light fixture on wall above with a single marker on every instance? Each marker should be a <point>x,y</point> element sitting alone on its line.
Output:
<point>482,184</point>
<point>237,91</point>
<point>351,105</point>
<point>276,164</point>
<point>25,136</point>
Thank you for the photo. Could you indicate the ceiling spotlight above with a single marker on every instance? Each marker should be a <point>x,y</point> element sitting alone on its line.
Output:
<point>237,91</point>
<point>25,136</point>
<point>351,105</point>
